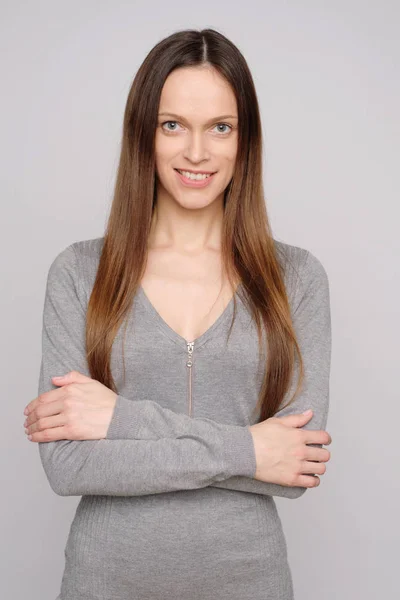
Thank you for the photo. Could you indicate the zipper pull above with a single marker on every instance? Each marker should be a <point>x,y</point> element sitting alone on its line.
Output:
<point>190,346</point>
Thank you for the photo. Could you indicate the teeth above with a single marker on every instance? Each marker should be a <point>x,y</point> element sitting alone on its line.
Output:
<point>194,176</point>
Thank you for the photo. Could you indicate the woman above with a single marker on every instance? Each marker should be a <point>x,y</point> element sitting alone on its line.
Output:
<point>179,428</point>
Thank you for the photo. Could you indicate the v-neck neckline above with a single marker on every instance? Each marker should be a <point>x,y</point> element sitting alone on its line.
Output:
<point>175,336</point>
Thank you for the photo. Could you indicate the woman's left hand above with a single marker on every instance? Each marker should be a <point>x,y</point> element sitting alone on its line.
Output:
<point>81,409</point>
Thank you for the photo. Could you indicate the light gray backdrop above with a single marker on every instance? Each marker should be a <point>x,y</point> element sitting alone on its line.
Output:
<point>327,76</point>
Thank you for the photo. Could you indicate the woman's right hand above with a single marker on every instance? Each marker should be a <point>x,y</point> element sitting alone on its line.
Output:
<point>282,454</point>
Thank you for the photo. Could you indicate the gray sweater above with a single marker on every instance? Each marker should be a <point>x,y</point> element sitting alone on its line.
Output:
<point>170,508</point>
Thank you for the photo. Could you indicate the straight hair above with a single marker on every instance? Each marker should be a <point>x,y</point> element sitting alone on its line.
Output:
<point>249,252</point>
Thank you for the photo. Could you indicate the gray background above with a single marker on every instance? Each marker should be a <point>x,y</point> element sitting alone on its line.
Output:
<point>327,76</point>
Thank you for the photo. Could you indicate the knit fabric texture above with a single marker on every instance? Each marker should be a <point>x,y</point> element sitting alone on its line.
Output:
<point>169,505</point>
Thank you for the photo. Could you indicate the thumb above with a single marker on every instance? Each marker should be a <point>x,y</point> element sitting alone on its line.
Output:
<point>71,377</point>
<point>297,420</point>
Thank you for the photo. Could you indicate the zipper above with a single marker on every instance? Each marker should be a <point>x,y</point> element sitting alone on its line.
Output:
<point>189,364</point>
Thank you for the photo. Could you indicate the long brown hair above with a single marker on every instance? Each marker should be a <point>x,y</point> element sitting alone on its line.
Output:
<point>248,249</point>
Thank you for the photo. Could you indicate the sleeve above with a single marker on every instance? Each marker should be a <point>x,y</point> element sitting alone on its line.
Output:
<point>312,324</point>
<point>198,456</point>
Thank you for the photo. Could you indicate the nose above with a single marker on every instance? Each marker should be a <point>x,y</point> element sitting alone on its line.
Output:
<point>196,148</point>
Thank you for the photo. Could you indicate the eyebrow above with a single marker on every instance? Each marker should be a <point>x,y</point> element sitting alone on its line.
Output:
<point>215,119</point>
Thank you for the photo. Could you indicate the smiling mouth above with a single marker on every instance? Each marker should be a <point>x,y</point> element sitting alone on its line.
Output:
<point>195,176</point>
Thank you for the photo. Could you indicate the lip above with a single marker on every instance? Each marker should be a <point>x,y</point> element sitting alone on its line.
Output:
<point>197,171</point>
<point>195,184</point>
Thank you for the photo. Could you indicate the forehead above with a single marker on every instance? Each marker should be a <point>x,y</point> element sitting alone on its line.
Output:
<point>197,93</point>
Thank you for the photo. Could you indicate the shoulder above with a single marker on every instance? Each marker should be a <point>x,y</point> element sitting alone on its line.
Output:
<point>76,265</point>
<point>304,273</point>
<point>77,252</point>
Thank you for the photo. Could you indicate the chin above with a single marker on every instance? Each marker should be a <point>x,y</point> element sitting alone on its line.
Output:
<point>194,204</point>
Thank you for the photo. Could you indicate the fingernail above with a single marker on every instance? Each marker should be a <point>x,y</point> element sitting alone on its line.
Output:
<point>307,412</point>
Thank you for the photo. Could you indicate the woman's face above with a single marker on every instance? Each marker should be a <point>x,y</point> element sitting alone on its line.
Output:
<point>197,130</point>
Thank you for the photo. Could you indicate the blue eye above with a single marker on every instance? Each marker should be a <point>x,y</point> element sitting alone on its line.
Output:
<point>224,125</point>
<point>175,128</point>
<point>165,122</point>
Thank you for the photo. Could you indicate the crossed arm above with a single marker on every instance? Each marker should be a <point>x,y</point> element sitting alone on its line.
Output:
<point>149,449</point>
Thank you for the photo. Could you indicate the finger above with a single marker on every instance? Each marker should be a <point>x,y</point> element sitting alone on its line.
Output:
<point>45,410</point>
<point>317,454</point>
<point>307,481</point>
<point>314,436</point>
<point>71,377</point>
<point>44,398</point>
<point>50,435</point>
<point>313,467</point>
<point>295,420</point>
<point>46,423</point>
